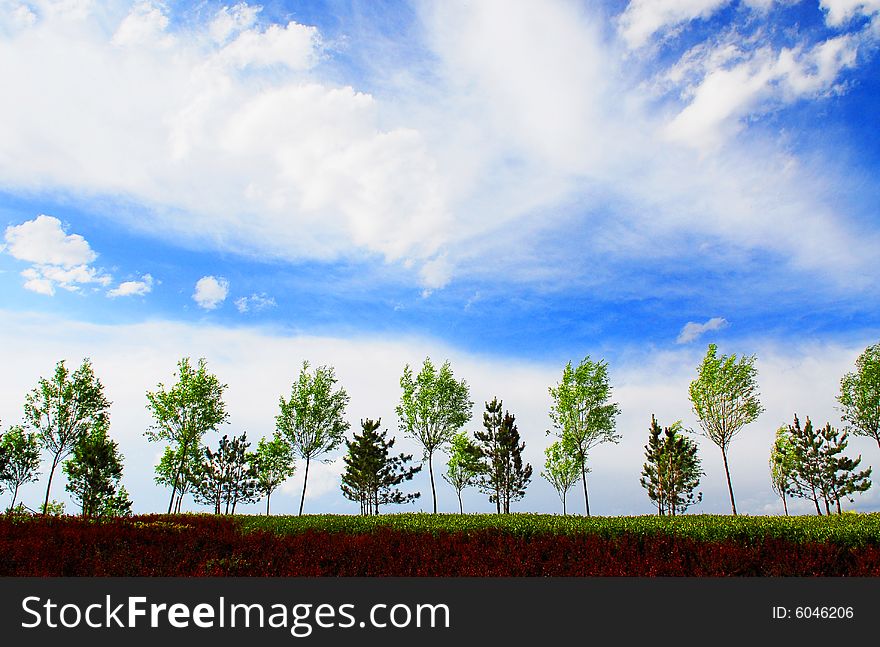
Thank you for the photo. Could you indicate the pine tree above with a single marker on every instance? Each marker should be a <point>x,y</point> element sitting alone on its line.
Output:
<point>672,469</point>
<point>503,476</point>
<point>225,477</point>
<point>372,474</point>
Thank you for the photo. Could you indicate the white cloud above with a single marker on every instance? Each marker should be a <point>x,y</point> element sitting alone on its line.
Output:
<point>133,288</point>
<point>260,365</point>
<point>144,26</point>
<point>58,259</point>
<point>210,292</point>
<point>643,18</point>
<point>693,330</point>
<point>229,21</point>
<point>254,303</point>
<point>839,12</point>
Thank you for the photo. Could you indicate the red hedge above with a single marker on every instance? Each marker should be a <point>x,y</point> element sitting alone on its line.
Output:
<point>214,546</point>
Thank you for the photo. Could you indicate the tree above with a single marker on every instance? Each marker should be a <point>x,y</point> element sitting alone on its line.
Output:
<point>433,407</point>
<point>63,409</point>
<point>225,477</point>
<point>581,413</point>
<point>725,399</point>
<point>22,459</point>
<point>183,470</point>
<point>821,471</point>
<point>782,465</point>
<point>672,471</point>
<point>860,395</point>
<point>464,466</point>
<point>503,475</point>
<point>372,474</point>
<point>94,472</point>
<point>272,463</point>
<point>184,413</point>
<point>561,470</point>
<point>312,419</point>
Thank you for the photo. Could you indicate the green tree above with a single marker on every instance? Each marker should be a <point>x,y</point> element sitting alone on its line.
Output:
<point>561,470</point>
<point>22,459</point>
<point>464,466</point>
<point>503,476</point>
<point>782,465</point>
<point>581,413</point>
<point>372,474</point>
<point>182,470</point>
<point>94,472</point>
<point>225,477</point>
<point>312,419</point>
<point>272,463</point>
<point>184,413</point>
<point>64,408</point>
<point>672,471</point>
<point>821,471</point>
<point>433,407</point>
<point>725,399</point>
<point>860,395</point>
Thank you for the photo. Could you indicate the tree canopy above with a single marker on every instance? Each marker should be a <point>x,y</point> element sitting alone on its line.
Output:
<point>860,395</point>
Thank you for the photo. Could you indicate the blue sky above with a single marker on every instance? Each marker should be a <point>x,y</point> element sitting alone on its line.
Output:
<point>509,184</point>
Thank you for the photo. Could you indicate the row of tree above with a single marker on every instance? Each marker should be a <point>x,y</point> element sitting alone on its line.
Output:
<point>67,417</point>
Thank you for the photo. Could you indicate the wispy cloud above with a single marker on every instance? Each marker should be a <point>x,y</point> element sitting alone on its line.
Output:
<point>693,330</point>
<point>254,303</point>
<point>133,288</point>
<point>210,292</point>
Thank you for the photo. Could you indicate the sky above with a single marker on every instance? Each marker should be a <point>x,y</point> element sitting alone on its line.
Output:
<point>507,185</point>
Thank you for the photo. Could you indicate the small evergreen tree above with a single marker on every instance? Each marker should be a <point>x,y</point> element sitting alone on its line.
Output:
<point>672,471</point>
<point>503,476</point>
<point>372,474</point>
<point>225,477</point>
<point>463,468</point>
<point>561,470</point>
<point>94,471</point>
<point>21,452</point>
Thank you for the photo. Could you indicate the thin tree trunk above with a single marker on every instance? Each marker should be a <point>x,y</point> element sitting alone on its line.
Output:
<point>49,485</point>
<point>586,496</point>
<point>268,496</point>
<point>431,472</point>
<point>305,480</point>
<point>14,496</point>
<point>784,504</point>
<point>460,506</point>
<point>564,512</point>
<point>729,485</point>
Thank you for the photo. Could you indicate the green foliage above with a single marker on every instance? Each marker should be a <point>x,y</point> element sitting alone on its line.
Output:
<point>560,470</point>
<point>782,466</point>
<point>820,469</point>
<point>174,467</point>
<point>311,421</point>
<point>433,407</point>
<point>848,530</point>
<point>225,477</point>
<point>502,475</point>
<point>183,414</point>
<point>272,464</point>
<point>372,474</point>
<point>860,395</point>
<point>672,469</point>
<point>725,399</point>
<point>93,474</point>
<point>63,409</point>
<point>581,413</point>
<point>21,459</point>
<point>463,467</point>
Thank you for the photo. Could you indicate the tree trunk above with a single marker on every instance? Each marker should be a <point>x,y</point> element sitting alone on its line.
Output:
<point>460,506</point>
<point>14,496</point>
<point>784,504</point>
<point>305,480</point>
<point>431,472</point>
<point>49,485</point>
<point>586,496</point>
<point>729,485</point>
<point>268,496</point>
<point>564,512</point>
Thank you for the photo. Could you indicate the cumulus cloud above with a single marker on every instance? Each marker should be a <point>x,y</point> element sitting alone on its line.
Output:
<point>838,12</point>
<point>58,259</point>
<point>133,288</point>
<point>254,303</point>
<point>643,18</point>
<point>210,292</point>
<point>693,330</point>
